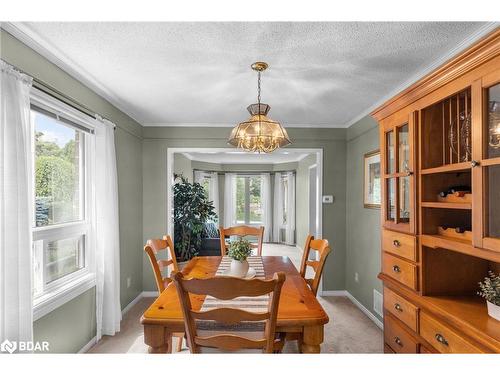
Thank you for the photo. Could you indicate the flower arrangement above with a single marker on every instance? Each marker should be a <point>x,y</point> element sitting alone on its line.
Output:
<point>240,249</point>
<point>490,288</point>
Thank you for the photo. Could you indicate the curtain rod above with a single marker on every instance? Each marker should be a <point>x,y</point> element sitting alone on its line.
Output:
<point>243,173</point>
<point>55,93</point>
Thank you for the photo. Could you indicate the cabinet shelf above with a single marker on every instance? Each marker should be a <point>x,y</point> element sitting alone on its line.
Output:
<point>456,167</point>
<point>459,245</point>
<point>451,205</point>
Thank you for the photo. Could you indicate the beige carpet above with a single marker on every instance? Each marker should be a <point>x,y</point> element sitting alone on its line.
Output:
<point>349,331</point>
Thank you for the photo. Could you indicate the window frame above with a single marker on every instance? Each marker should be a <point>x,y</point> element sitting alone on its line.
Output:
<point>67,287</point>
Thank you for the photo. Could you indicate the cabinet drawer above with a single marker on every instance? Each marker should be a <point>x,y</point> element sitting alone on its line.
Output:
<point>401,308</point>
<point>397,338</point>
<point>442,338</point>
<point>388,349</point>
<point>400,270</point>
<point>400,244</point>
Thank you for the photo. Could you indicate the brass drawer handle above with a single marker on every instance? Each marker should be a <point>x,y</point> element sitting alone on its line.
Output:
<point>396,269</point>
<point>440,338</point>
<point>396,243</point>
<point>398,341</point>
<point>398,307</point>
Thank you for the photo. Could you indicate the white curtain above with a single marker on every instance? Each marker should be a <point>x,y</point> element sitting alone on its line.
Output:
<point>290,220</point>
<point>266,205</point>
<point>214,192</point>
<point>278,209</point>
<point>229,199</point>
<point>108,311</point>
<point>198,176</point>
<point>16,206</point>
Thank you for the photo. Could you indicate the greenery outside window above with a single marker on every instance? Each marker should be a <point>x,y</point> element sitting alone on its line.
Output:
<point>249,210</point>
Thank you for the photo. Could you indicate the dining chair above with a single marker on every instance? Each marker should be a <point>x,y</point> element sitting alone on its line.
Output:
<point>153,247</point>
<point>321,247</point>
<point>230,329</point>
<point>241,231</point>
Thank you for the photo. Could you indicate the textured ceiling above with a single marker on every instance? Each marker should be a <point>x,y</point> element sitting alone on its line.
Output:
<point>323,74</point>
<point>242,157</point>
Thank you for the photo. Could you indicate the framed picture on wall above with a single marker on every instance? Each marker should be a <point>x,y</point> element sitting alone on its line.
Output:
<point>372,181</point>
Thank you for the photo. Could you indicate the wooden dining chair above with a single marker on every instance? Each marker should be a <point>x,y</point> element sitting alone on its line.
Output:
<point>222,336</point>
<point>241,231</point>
<point>153,247</point>
<point>320,246</point>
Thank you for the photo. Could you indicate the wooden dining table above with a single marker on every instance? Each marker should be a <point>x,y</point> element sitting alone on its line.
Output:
<point>299,310</point>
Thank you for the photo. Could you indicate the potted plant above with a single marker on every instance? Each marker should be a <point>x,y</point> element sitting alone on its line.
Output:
<point>239,251</point>
<point>490,291</point>
<point>192,210</point>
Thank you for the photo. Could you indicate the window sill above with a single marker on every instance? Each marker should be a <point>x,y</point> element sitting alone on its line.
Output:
<point>52,300</point>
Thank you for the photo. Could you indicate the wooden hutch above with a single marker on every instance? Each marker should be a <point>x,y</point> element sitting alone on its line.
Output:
<point>440,157</point>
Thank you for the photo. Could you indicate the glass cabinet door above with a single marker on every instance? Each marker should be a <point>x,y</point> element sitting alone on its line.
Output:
<point>398,173</point>
<point>487,169</point>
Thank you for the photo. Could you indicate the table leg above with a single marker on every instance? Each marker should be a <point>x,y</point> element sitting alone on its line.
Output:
<point>312,339</point>
<point>158,339</point>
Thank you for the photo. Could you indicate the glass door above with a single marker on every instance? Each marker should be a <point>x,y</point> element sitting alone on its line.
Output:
<point>398,166</point>
<point>486,165</point>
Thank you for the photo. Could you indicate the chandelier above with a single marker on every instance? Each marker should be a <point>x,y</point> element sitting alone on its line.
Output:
<point>259,133</point>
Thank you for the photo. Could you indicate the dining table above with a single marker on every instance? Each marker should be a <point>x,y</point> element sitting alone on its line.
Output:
<point>299,310</point>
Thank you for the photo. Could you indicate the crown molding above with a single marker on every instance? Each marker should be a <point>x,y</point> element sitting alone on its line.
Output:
<point>435,65</point>
<point>30,38</point>
<point>225,125</point>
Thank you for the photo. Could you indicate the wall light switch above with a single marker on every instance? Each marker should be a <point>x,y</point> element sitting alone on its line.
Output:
<point>327,198</point>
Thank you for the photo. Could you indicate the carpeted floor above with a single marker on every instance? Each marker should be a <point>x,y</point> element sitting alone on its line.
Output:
<point>349,330</point>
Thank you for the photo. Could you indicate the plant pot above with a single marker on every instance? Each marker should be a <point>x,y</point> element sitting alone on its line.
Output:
<point>493,310</point>
<point>239,268</point>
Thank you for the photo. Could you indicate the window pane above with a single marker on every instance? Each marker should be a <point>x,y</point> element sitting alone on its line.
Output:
<point>493,123</point>
<point>404,148</point>
<point>390,152</point>
<point>404,199</point>
<point>63,257</point>
<point>285,200</point>
<point>58,174</point>
<point>391,199</point>
<point>255,205</point>
<point>493,201</point>
<point>240,199</point>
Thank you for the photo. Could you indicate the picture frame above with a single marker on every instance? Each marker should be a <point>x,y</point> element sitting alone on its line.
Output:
<point>372,180</point>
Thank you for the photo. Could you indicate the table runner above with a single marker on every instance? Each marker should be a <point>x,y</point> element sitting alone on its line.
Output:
<point>253,304</point>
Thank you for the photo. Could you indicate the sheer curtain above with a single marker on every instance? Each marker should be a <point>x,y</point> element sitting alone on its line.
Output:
<point>16,206</point>
<point>290,220</point>
<point>214,191</point>
<point>108,311</point>
<point>266,206</point>
<point>278,208</point>
<point>229,199</point>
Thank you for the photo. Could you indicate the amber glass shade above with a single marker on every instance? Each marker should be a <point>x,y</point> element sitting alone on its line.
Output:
<point>259,133</point>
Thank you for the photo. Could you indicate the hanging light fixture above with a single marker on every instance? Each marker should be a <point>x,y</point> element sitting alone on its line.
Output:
<point>259,133</point>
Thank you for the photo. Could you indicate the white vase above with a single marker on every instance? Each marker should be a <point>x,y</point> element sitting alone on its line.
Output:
<point>239,268</point>
<point>493,310</point>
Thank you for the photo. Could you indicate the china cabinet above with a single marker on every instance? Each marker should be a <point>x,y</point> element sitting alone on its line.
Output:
<point>440,217</point>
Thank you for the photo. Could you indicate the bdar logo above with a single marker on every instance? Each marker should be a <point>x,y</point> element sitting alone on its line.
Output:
<point>8,346</point>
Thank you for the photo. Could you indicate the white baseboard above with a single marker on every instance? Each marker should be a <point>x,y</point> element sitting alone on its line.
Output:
<point>149,294</point>
<point>333,293</point>
<point>88,345</point>
<point>359,305</point>
<point>132,303</point>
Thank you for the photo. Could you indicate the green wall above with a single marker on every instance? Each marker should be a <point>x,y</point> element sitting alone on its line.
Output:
<point>72,325</point>
<point>363,224</point>
<point>332,141</point>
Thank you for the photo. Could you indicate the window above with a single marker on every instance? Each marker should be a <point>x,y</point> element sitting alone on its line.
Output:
<point>61,223</point>
<point>249,200</point>
<point>284,200</point>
